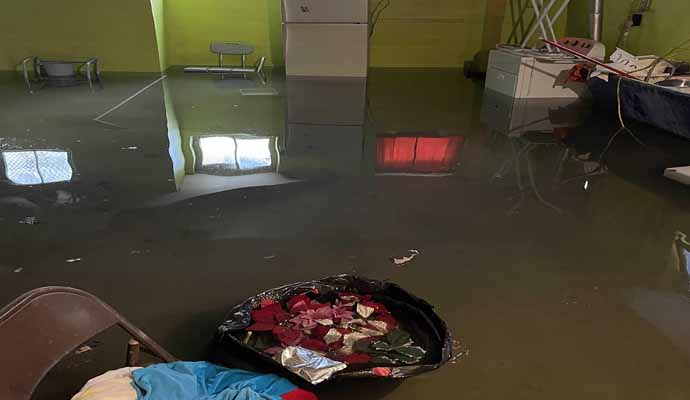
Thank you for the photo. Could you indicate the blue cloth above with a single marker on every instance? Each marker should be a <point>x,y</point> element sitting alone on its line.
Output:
<point>205,381</point>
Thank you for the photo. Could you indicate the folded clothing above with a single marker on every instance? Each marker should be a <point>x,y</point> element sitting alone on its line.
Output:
<point>190,381</point>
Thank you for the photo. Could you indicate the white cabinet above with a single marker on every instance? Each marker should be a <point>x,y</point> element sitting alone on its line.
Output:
<point>523,73</point>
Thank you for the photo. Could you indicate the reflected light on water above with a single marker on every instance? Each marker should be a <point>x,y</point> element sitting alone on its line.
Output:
<point>37,167</point>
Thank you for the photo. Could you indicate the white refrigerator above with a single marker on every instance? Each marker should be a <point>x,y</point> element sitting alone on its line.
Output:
<point>328,38</point>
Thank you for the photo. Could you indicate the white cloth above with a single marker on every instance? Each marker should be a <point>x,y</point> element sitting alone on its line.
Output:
<point>113,385</point>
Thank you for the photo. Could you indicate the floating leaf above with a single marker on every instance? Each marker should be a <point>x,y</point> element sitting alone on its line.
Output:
<point>380,346</point>
<point>381,360</point>
<point>398,338</point>
<point>362,346</point>
<point>412,351</point>
<point>403,358</point>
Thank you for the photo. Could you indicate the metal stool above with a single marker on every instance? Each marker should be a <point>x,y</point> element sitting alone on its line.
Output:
<point>61,73</point>
<point>231,49</point>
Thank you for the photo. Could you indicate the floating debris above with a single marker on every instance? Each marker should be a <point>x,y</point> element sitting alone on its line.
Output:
<point>18,270</point>
<point>30,221</point>
<point>271,257</point>
<point>73,260</point>
<point>83,349</point>
<point>459,351</point>
<point>400,261</point>
<point>129,148</point>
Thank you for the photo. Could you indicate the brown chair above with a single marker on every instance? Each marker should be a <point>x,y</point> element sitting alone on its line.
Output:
<point>43,326</point>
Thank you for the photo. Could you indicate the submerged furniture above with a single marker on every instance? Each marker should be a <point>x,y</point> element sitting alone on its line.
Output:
<point>231,49</point>
<point>44,325</point>
<point>523,72</point>
<point>258,69</point>
<point>60,73</point>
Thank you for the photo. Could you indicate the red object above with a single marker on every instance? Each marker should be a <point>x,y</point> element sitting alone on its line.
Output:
<point>262,327</point>
<point>287,336</point>
<point>578,73</point>
<point>357,358</point>
<point>344,331</point>
<point>282,316</point>
<point>267,302</point>
<point>299,394</point>
<point>380,308</point>
<point>417,154</point>
<point>590,59</point>
<point>381,371</point>
<point>320,331</point>
<point>390,320</point>
<point>263,315</point>
<point>300,297</point>
<point>313,344</point>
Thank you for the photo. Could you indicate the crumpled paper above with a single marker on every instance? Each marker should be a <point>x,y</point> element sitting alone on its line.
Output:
<point>309,365</point>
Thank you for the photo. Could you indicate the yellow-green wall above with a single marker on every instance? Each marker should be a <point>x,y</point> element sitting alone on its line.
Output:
<point>147,36</point>
<point>192,25</point>
<point>428,33</point>
<point>158,11</point>
<point>410,33</point>
<point>120,33</point>
<point>664,27</point>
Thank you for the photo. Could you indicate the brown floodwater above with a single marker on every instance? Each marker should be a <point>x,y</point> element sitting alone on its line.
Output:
<point>559,267</point>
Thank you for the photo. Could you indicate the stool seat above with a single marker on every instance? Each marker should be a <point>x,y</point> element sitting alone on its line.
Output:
<point>229,48</point>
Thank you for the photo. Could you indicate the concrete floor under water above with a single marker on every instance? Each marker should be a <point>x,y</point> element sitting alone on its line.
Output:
<point>558,266</point>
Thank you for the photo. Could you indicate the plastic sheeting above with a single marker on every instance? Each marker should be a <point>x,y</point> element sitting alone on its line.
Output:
<point>418,316</point>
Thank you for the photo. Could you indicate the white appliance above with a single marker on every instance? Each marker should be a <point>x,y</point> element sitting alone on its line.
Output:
<point>531,74</point>
<point>514,116</point>
<point>328,38</point>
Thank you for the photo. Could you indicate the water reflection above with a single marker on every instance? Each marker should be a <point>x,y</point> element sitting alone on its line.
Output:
<point>234,154</point>
<point>36,167</point>
<point>422,155</point>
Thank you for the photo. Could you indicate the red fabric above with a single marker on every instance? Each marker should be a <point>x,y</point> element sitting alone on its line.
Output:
<point>313,344</point>
<point>300,297</point>
<point>358,358</point>
<point>262,327</point>
<point>390,320</point>
<point>320,331</point>
<point>381,371</point>
<point>267,302</point>
<point>417,154</point>
<point>299,394</point>
<point>287,336</point>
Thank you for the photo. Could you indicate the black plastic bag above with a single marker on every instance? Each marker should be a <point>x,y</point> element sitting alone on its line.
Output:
<point>420,320</point>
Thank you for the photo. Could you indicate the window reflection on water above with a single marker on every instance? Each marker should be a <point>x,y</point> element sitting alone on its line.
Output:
<point>234,154</point>
<point>35,167</point>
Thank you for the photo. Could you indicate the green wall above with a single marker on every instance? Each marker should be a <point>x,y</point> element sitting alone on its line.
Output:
<point>136,35</point>
<point>119,32</point>
<point>663,28</point>
<point>410,33</point>
<point>192,25</point>
<point>158,11</point>
<point>428,33</point>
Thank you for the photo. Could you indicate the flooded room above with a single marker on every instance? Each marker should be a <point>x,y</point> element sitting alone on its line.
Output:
<point>338,199</point>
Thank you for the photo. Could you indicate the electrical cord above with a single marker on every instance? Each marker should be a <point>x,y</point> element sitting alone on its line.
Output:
<point>623,126</point>
<point>375,15</point>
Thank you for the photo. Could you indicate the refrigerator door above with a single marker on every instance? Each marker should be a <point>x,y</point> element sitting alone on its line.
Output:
<point>333,50</point>
<point>326,11</point>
